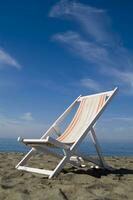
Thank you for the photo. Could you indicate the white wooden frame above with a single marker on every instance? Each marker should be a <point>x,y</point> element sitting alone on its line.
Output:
<point>70,154</point>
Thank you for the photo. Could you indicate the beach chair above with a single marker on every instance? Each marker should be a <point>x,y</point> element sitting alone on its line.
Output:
<point>89,110</point>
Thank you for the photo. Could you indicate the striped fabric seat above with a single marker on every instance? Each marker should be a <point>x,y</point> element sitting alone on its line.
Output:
<point>89,107</point>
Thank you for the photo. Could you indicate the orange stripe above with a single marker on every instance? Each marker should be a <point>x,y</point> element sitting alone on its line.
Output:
<point>104,96</point>
<point>101,102</point>
<point>73,122</point>
<point>70,123</point>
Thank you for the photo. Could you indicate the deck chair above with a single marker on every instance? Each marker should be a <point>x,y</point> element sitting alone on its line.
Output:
<point>90,109</point>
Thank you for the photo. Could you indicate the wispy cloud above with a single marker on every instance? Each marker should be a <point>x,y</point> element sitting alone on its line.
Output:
<point>27,116</point>
<point>91,84</point>
<point>6,59</point>
<point>98,45</point>
<point>87,50</point>
<point>14,127</point>
<point>95,21</point>
<point>125,78</point>
<point>117,119</point>
<point>122,128</point>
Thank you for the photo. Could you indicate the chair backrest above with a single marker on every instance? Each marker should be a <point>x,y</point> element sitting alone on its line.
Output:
<point>89,107</point>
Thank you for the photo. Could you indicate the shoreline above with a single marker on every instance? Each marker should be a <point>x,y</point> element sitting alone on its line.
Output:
<point>70,184</point>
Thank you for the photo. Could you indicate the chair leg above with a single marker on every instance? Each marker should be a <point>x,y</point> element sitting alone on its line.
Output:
<point>98,148</point>
<point>26,158</point>
<point>60,166</point>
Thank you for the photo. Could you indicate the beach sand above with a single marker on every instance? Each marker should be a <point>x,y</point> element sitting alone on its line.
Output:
<point>70,184</point>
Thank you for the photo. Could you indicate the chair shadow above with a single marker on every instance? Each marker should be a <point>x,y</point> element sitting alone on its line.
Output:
<point>98,173</point>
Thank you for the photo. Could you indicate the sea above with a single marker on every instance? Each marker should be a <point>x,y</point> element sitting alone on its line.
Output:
<point>109,148</point>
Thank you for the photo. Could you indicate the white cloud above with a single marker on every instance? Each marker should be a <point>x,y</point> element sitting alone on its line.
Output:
<point>95,21</point>
<point>124,77</point>
<point>6,59</point>
<point>117,64</point>
<point>99,45</point>
<point>119,118</point>
<point>91,84</point>
<point>13,127</point>
<point>27,116</point>
<point>122,128</point>
<point>87,50</point>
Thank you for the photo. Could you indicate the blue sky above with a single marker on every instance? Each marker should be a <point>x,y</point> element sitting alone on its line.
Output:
<point>53,51</point>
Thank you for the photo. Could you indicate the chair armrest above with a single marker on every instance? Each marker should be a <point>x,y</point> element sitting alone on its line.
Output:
<point>45,141</point>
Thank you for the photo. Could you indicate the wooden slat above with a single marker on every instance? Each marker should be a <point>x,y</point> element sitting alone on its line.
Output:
<point>35,170</point>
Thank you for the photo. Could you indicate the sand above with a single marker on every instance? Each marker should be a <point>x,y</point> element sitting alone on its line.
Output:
<point>72,183</point>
